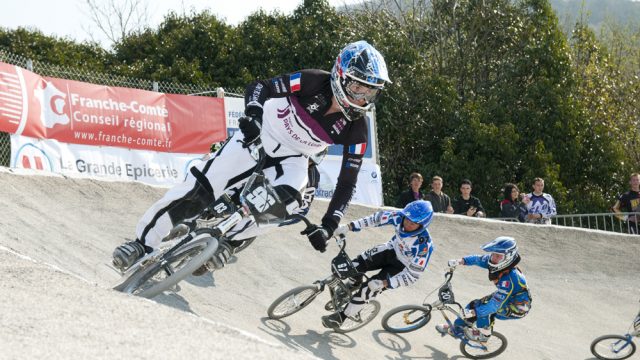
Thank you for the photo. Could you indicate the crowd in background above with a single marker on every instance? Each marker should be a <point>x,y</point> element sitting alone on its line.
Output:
<point>536,207</point>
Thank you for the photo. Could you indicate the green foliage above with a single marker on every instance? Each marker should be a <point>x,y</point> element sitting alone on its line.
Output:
<point>33,44</point>
<point>185,48</point>
<point>491,90</point>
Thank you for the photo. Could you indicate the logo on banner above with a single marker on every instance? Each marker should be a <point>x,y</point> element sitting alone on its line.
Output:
<point>31,157</point>
<point>52,105</point>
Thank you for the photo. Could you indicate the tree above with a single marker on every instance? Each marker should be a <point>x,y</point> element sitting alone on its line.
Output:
<point>33,44</point>
<point>187,48</point>
<point>117,19</point>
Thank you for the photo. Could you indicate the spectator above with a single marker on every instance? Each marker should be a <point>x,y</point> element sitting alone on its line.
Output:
<point>467,204</point>
<point>511,207</point>
<point>413,193</point>
<point>540,206</point>
<point>630,202</point>
<point>440,201</point>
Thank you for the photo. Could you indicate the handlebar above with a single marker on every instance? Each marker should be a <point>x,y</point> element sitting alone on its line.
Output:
<point>258,154</point>
<point>449,274</point>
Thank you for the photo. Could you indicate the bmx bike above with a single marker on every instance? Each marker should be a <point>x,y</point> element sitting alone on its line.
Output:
<point>615,346</point>
<point>340,293</point>
<point>179,256</point>
<point>408,318</point>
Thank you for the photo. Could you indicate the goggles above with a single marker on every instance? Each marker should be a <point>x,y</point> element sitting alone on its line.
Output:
<point>361,91</point>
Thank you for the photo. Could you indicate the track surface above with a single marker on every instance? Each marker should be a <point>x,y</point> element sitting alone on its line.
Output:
<point>57,235</point>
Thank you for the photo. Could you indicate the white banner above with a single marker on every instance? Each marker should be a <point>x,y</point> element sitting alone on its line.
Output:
<point>149,167</point>
<point>368,189</point>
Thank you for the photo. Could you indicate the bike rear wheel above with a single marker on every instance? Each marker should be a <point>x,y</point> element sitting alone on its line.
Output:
<point>495,346</point>
<point>293,301</point>
<point>368,312</point>
<point>613,347</point>
<point>406,318</point>
<point>151,278</point>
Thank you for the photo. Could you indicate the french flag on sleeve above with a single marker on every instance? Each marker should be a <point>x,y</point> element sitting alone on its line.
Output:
<point>294,82</point>
<point>358,149</point>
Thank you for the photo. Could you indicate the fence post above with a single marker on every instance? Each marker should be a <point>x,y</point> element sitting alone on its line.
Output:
<point>155,86</point>
<point>29,64</point>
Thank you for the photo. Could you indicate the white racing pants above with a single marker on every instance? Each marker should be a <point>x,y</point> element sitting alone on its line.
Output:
<point>227,171</point>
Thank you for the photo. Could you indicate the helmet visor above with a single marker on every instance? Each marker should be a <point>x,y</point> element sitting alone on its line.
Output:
<point>360,91</point>
<point>496,258</point>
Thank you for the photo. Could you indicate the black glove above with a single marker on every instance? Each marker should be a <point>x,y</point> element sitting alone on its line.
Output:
<point>318,236</point>
<point>251,127</point>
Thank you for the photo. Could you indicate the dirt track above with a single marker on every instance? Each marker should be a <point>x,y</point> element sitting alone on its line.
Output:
<point>57,234</point>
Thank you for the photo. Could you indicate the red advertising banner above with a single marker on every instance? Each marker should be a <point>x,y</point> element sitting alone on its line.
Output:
<point>80,113</point>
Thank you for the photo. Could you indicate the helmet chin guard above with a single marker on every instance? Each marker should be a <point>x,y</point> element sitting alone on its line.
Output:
<point>506,247</point>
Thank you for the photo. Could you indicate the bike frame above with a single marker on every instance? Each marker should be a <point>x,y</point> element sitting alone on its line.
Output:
<point>628,339</point>
<point>444,305</point>
<point>340,271</point>
<point>209,218</point>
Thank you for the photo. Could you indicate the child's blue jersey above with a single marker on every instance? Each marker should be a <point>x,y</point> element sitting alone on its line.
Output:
<point>512,289</point>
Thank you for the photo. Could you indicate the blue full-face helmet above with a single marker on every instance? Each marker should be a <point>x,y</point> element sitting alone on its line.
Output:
<point>420,212</point>
<point>506,247</point>
<point>358,73</point>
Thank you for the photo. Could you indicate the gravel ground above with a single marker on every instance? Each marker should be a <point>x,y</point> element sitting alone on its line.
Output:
<point>57,234</point>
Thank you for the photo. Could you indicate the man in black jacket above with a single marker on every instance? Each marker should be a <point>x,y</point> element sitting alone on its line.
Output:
<point>467,204</point>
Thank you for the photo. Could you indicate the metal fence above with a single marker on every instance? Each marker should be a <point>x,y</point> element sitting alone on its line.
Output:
<point>615,222</point>
<point>77,74</point>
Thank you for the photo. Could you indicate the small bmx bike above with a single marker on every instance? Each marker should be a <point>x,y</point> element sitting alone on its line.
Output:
<point>408,318</point>
<point>615,346</point>
<point>342,269</point>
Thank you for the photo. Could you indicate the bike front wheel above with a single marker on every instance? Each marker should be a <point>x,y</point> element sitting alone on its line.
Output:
<point>293,301</point>
<point>150,278</point>
<point>495,346</point>
<point>406,318</point>
<point>613,347</point>
<point>368,312</point>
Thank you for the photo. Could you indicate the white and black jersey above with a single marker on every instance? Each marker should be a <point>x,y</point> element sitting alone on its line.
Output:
<point>294,126</point>
<point>293,108</point>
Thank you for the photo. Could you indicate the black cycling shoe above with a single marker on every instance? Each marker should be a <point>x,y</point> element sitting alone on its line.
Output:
<point>127,254</point>
<point>333,321</point>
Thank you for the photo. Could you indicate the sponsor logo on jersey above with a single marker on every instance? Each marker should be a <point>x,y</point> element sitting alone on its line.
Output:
<point>339,125</point>
<point>313,108</point>
<point>294,82</point>
<point>351,164</point>
<point>284,87</point>
<point>358,149</point>
<point>276,85</point>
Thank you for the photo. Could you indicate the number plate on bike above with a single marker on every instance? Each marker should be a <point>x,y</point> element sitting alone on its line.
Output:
<point>342,267</point>
<point>446,295</point>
